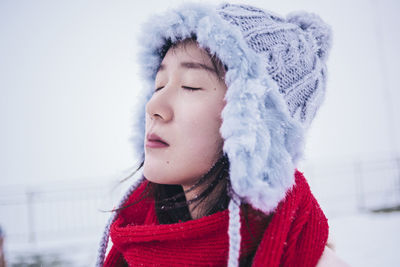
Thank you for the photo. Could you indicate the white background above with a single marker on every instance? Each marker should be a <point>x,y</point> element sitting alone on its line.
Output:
<point>68,79</point>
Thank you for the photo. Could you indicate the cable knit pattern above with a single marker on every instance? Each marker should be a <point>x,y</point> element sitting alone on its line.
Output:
<point>296,235</point>
<point>293,50</point>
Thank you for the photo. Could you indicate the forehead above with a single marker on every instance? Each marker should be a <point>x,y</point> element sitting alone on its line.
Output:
<point>187,55</point>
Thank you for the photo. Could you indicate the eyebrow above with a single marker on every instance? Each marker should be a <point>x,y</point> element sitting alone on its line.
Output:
<point>192,65</point>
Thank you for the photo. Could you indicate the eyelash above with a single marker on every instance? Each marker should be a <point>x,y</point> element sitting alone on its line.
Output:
<point>191,88</point>
<point>184,87</point>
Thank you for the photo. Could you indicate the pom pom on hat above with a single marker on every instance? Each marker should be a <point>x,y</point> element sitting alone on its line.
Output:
<point>317,28</point>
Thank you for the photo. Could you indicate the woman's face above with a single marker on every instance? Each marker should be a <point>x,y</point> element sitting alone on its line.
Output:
<point>183,118</point>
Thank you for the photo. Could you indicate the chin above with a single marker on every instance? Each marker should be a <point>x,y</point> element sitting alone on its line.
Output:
<point>162,176</point>
<point>157,175</point>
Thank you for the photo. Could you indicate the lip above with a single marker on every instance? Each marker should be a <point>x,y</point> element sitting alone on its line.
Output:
<point>154,141</point>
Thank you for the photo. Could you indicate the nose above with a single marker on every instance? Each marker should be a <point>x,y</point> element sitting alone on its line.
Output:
<point>160,106</point>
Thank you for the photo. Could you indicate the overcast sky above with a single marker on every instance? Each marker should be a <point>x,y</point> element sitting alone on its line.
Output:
<point>68,79</point>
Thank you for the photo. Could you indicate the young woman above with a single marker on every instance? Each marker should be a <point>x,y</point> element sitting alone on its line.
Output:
<point>230,93</point>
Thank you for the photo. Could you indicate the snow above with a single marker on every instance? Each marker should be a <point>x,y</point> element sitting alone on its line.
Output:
<point>367,239</point>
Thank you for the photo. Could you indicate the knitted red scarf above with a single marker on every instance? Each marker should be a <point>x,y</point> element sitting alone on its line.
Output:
<point>294,235</point>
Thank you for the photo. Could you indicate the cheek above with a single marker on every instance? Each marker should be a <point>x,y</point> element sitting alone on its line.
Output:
<point>196,145</point>
<point>209,133</point>
<point>201,134</point>
<point>199,150</point>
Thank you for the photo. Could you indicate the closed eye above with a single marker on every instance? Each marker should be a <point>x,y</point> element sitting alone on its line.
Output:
<point>184,87</point>
<point>191,88</point>
<point>159,88</point>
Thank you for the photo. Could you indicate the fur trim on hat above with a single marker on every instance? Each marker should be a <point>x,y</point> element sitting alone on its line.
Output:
<point>262,141</point>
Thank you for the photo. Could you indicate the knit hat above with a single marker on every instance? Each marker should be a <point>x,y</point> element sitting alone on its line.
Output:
<point>276,75</point>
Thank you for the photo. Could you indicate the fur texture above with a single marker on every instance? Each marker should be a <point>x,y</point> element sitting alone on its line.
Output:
<point>262,141</point>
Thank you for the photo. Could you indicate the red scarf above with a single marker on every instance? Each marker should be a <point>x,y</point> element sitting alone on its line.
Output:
<point>295,235</point>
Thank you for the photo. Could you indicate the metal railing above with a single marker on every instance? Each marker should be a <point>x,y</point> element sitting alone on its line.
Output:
<point>40,214</point>
<point>358,186</point>
<point>36,214</point>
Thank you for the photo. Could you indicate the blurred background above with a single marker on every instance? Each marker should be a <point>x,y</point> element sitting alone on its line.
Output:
<point>68,81</point>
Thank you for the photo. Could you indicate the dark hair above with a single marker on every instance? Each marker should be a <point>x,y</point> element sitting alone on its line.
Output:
<point>172,206</point>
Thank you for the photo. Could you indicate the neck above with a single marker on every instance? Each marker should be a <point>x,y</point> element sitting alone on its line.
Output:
<point>194,211</point>
<point>204,198</point>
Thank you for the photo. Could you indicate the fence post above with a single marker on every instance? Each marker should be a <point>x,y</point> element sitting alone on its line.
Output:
<point>31,217</point>
<point>398,177</point>
<point>359,185</point>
